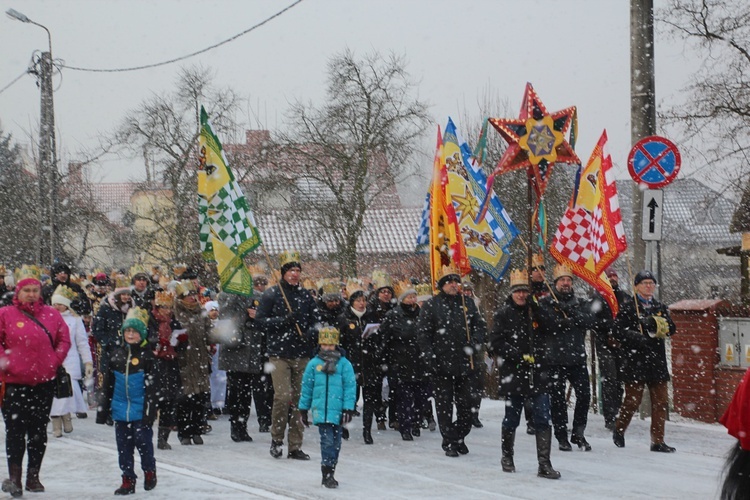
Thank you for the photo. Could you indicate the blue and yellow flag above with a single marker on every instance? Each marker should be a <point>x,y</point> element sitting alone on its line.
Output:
<point>227,227</point>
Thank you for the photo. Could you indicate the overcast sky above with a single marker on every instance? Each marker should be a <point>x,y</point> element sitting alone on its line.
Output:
<point>574,52</point>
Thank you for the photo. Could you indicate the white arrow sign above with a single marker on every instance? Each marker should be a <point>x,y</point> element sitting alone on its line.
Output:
<point>653,208</point>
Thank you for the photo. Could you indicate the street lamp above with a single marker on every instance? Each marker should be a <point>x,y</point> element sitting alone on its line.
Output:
<point>47,181</point>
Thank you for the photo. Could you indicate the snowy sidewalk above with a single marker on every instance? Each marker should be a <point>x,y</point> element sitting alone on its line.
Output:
<point>83,465</point>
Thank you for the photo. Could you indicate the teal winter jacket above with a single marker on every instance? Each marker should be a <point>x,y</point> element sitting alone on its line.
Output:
<point>328,395</point>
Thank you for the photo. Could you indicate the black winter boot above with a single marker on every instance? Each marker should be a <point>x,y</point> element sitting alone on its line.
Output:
<point>238,431</point>
<point>32,481</point>
<point>562,439</point>
<point>577,438</point>
<point>127,487</point>
<point>13,484</point>
<point>149,483</point>
<point>328,480</point>
<point>509,437</point>
<point>367,435</point>
<point>543,447</point>
<point>276,450</point>
<point>161,442</point>
<point>618,438</point>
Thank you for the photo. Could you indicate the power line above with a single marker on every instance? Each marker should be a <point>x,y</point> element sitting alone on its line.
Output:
<point>182,58</point>
<point>14,81</point>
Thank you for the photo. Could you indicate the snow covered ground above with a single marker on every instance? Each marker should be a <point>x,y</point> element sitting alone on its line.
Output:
<point>83,465</point>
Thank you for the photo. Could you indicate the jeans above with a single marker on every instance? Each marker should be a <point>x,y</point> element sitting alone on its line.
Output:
<point>26,413</point>
<point>330,444</point>
<point>287,384</point>
<point>132,435</point>
<point>540,409</point>
<point>578,375</point>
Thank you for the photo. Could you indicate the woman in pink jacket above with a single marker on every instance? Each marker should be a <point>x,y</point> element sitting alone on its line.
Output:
<point>35,341</point>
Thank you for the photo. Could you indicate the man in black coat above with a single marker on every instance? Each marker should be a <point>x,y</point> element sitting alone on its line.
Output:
<point>566,319</point>
<point>642,326</point>
<point>451,334</point>
<point>519,345</point>
<point>243,356</point>
<point>288,320</point>
<point>141,290</point>
<point>61,276</point>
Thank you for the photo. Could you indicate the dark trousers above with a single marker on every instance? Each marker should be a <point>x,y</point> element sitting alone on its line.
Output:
<point>131,436</point>
<point>373,404</point>
<point>578,375</point>
<point>461,390</point>
<point>406,397</point>
<point>242,388</point>
<point>612,391</point>
<point>26,413</point>
<point>191,411</point>
<point>168,390</point>
<point>540,409</point>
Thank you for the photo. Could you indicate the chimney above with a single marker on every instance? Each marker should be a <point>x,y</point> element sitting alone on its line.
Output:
<point>75,173</point>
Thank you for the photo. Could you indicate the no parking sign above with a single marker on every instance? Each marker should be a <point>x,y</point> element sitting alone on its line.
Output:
<point>654,161</point>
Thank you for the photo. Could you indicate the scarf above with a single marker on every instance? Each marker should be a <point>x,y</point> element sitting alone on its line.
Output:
<point>330,359</point>
<point>164,349</point>
<point>358,314</point>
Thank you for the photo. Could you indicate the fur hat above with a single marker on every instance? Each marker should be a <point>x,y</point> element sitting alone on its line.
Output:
<point>644,275</point>
<point>519,280</point>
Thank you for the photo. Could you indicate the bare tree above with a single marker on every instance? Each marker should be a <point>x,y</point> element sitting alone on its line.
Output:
<point>715,115</point>
<point>348,154</point>
<point>163,131</point>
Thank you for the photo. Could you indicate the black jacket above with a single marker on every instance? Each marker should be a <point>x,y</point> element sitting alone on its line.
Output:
<point>105,327</point>
<point>603,322</point>
<point>81,305</point>
<point>401,352</point>
<point>245,349</point>
<point>443,338</point>
<point>644,358</point>
<point>330,316</point>
<point>565,322</point>
<point>365,355</point>
<point>282,337</point>
<point>510,339</point>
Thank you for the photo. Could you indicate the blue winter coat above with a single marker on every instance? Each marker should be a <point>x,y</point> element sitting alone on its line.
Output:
<point>328,395</point>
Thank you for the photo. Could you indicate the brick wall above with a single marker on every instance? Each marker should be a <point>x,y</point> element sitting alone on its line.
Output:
<point>727,380</point>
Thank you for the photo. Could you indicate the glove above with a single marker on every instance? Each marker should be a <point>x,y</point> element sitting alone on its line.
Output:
<point>183,337</point>
<point>346,417</point>
<point>662,327</point>
<point>88,370</point>
<point>528,358</point>
<point>304,418</point>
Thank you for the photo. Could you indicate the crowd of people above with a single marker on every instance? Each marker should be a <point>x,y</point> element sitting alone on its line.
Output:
<point>147,349</point>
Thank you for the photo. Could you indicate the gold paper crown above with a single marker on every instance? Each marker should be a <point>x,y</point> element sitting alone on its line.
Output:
<point>155,270</point>
<point>184,287</point>
<point>424,291</point>
<point>331,287</point>
<point>562,270</point>
<point>164,281</point>
<point>354,285</point>
<point>401,286</point>
<point>537,260</point>
<point>2,271</point>
<point>519,278</point>
<point>66,292</point>
<point>309,284</point>
<point>381,279</point>
<point>139,314</point>
<point>448,270</point>
<point>137,268</point>
<point>178,269</point>
<point>122,282</point>
<point>75,278</point>
<point>289,256</point>
<point>328,335</point>
<point>165,299</point>
<point>28,272</point>
<point>256,271</point>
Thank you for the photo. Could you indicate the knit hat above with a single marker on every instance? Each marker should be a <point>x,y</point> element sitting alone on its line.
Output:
<point>60,268</point>
<point>141,275</point>
<point>63,295</point>
<point>101,279</point>
<point>137,319</point>
<point>211,305</point>
<point>644,275</point>
<point>189,274</point>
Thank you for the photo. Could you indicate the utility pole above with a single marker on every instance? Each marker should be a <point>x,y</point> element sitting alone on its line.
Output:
<point>48,178</point>
<point>642,107</point>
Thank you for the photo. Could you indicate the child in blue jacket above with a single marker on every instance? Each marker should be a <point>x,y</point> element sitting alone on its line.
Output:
<point>129,397</point>
<point>329,390</point>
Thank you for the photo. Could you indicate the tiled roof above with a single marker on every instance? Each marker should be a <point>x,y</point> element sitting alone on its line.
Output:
<point>693,213</point>
<point>391,230</point>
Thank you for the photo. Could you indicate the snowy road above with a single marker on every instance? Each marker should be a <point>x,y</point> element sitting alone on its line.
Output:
<point>83,465</point>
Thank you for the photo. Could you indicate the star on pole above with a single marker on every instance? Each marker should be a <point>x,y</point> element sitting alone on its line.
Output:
<point>536,139</point>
